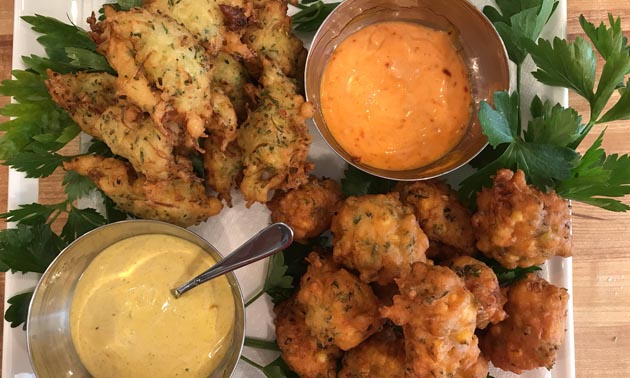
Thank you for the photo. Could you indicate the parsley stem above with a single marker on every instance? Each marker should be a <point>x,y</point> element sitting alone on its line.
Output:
<point>255,297</point>
<point>518,92</point>
<point>257,366</point>
<point>254,342</point>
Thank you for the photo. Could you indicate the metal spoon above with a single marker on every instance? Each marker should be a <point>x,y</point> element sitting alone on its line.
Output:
<point>267,242</point>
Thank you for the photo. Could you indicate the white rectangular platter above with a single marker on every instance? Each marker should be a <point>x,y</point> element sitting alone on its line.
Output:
<point>233,226</point>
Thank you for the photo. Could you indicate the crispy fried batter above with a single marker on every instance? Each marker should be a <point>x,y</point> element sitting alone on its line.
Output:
<point>479,369</point>
<point>484,285</point>
<point>300,350</point>
<point>212,22</point>
<point>222,168</point>
<point>271,38</point>
<point>133,136</point>
<point>275,139</point>
<point>518,225</point>
<point>84,96</point>
<point>231,76</point>
<point>380,356</point>
<point>164,71</point>
<point>178,201</point>
<point>440,214</point>
<point>307,209</point>
<point>438,315</point>
<point>340,309</point>
<point>378,236</point>
<point>534,330</point>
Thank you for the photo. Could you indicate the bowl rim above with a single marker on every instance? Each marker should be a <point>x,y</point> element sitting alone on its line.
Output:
<point>392,174</point>
<point>239,300</point>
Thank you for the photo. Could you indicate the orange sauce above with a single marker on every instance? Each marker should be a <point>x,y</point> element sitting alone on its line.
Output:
<point>396,96</point>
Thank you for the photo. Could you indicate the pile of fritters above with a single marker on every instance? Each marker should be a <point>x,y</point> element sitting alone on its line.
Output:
<point>207,80</point>
<point>378,306</point>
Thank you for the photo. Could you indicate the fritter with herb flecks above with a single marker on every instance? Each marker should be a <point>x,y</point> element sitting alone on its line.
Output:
<point>300,350</point>
<point>484,285</point>
<point>378,236</point>
<point>438,315</point>
<point>534,330</point>
<point>520,226</point>
<point>309,209</point>
<point>340,309</point>
<point>441,216</point>
<point>380,356</point>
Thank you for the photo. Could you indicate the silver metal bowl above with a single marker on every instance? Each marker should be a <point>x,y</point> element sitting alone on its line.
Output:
<point>50,346</point>
<point>480,46</point>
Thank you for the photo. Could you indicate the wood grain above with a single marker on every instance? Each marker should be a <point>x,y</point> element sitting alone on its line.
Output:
<point>601,265</point>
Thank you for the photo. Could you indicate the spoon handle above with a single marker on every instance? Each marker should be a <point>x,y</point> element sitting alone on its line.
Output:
<point>267,242</point>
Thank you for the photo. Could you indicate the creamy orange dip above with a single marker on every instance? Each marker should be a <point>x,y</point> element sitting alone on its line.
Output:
<point>125,323</point>
<point>395,95</point>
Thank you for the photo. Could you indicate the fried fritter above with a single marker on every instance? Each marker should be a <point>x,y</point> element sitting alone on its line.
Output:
<point>130,134</point>
<point>479,369</point>
<point>84,96</point>
<point>340,309</point>
<point>271,38</point>
<point>165,72</point>
<point>518,225</point>
<point>380,356</point>
<point>300,350</point>
<point>484,285</point>
<point>222,168</point>
<point>378,236</point>
<point>534,330</point>
<point>179,201</point>
<point>440,214</point>
<point>212,22</point>
<point>307,209</point>
<point>231,76</point>
<point>275,139</point>
<point>438,316</point>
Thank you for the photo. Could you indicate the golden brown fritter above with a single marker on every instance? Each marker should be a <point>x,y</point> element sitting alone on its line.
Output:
<point>378,236</point>
<point>130,134</point>
<point>380,356</point>
<point>518,225</point>
<point>212,22</point>
<point>275,139</point>
<point>179,201</point>
<point>440,214</point>
<point>222,168</point>
<point>534,330</point>
<point>438,316</point>
<point>300,350</point>
<point>271,37</point>
<point>484,285</point>
<point>340,309</point>
<point>84,96</point>
<point>165,72</point>
<point>231,76</point>
<point>307,209</point>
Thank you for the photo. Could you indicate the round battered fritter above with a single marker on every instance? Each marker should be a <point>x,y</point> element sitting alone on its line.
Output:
<point>378,236</point>
<point>534,330</point>
<point>300,350</point>
<point>518,225</point>
<point>307,209</point>
<point>440,214</point>
<point>438,315</point>
<point>484,285</point>
<point>380,356</point>
<point>340,309</point>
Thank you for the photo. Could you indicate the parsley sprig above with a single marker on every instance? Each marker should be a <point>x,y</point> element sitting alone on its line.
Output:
<point>31,143</point>
<point>546,149</point>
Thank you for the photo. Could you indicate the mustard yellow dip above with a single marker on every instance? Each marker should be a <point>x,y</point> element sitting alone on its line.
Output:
<point>396,96</point>
<point>125,322</point>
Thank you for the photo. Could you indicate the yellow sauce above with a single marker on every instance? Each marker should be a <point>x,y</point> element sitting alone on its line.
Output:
<point>396,96</point>
<point>125,323</point>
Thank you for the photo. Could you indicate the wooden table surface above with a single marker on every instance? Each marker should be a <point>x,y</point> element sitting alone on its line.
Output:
<point>601,262</point>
